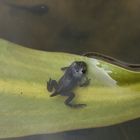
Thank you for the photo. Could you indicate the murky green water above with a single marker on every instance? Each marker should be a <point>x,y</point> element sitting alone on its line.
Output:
<point>110,27</point>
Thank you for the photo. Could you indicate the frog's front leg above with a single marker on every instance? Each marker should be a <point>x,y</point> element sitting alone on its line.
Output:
<point>85,82</point>
<point>51,84</point>
<point>68,101</point>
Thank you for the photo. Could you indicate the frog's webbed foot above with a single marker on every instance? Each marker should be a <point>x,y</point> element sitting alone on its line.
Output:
<point>64,68</point>
<point>51,84</point>
<point>54,94</point>
<point>85,83</point>
<point>69,99</point>
<point>76,105</point>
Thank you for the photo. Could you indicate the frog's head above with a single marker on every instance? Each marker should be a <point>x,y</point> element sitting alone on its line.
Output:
<point>78,68</point>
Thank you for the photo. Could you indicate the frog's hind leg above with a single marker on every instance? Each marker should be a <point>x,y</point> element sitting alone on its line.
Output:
<point>51,84</point>
<point>68,101</point>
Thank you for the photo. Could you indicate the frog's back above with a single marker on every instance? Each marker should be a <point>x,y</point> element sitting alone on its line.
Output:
<point>67,83</point>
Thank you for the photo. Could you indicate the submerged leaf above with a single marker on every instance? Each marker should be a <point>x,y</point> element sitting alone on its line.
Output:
<point>112,97</point>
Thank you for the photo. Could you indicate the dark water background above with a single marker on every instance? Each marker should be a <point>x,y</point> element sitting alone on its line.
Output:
<point>111,27</point>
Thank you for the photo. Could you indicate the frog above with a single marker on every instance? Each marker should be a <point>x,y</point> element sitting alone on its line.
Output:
<point>74,76</point>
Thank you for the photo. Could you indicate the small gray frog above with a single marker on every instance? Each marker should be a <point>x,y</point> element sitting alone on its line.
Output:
<point>75,75</point>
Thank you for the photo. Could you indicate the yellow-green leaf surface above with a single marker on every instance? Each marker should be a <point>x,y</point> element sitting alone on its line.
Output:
<point>112,97</point>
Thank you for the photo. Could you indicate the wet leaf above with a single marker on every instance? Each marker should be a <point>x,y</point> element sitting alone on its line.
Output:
<point>112,97</point>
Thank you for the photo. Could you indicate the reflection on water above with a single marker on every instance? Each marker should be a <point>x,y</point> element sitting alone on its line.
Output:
<point>110,27</point>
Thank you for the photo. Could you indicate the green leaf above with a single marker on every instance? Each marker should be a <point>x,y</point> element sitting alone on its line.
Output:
<point>112,97</point>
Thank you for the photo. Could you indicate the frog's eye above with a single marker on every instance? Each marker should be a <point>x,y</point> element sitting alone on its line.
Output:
<point>84,71</point>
